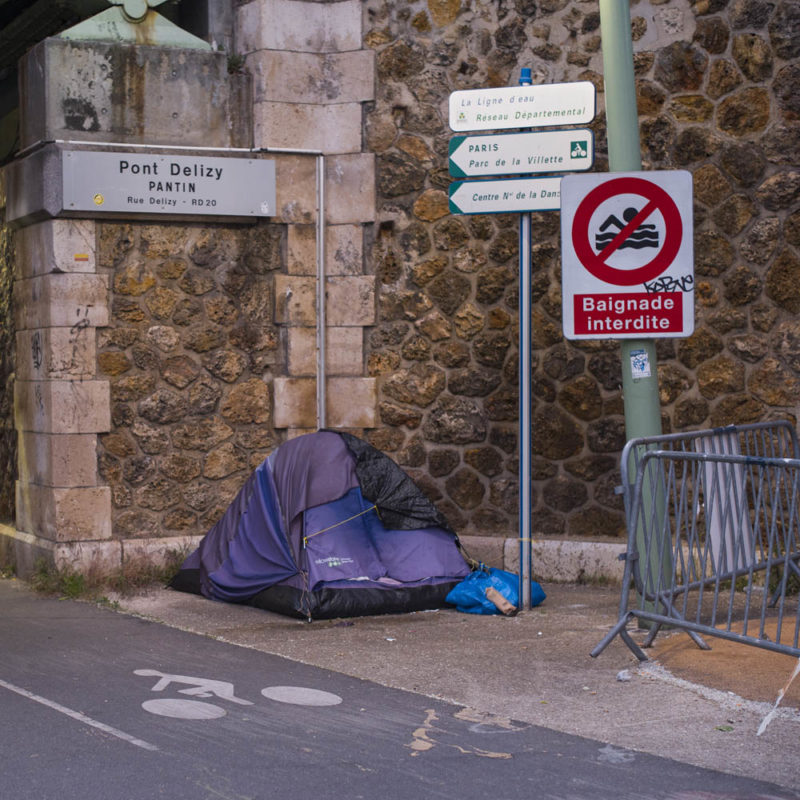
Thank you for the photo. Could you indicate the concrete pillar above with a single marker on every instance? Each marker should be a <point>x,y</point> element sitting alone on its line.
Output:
<point>98,92</point>
<point>311,77</point>
<point>59,405</point>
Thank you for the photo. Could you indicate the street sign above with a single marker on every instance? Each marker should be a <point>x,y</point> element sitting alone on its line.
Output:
<point>499,197</point>
<point>544,105</point>
<point>524,106</point>
<point>131,182</point>
<point>627,255</point>
<point>570,150</point>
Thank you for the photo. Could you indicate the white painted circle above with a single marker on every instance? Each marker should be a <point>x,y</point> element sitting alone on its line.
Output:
<point>183,709</point>
<point>301,696</point>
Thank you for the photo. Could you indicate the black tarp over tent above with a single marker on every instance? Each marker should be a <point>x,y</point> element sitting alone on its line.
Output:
<point>327,526</point>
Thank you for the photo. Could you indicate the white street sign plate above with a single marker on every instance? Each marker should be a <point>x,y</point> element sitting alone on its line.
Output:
<point>544,105</point>
<point>521,153</point>
<point>627,255</point>
<point>499,197</point>
<point>157,183</point>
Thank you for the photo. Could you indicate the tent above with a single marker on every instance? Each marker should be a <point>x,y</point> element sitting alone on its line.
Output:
<point>327,526</point>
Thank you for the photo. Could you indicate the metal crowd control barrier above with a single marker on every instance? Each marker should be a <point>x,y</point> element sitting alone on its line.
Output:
<point>713,521</point>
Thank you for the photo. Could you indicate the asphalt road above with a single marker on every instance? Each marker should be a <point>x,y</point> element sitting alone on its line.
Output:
<point>95,704</point>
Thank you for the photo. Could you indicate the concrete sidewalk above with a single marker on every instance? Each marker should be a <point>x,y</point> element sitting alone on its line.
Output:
<point>701,708</point>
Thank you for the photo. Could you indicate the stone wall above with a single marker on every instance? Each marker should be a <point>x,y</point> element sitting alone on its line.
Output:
<point>143,350</point>
<point>8,434</point>
<point>717,91</point>
<point>204,335</point>
<point>190,353</point>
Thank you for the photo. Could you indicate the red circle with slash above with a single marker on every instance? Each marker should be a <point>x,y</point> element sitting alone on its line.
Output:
<point>657,200</point>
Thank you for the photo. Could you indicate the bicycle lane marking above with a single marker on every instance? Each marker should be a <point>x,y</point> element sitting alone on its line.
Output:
<point>78,716</point>
<point>179,708</point>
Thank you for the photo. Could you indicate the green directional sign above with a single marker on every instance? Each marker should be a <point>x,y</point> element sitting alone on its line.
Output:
<point>522,153</point>
<point>502,196</point>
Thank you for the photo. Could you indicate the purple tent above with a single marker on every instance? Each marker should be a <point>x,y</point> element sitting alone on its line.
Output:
<point>327,526</point>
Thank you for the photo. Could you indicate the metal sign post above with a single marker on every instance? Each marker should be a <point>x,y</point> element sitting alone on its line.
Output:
<point>525,549</point>
<point>571,150</point>
<point>642,407</point>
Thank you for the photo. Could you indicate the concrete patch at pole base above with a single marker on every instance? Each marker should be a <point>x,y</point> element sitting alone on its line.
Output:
<point>569,561</point>
<point>555,560</point>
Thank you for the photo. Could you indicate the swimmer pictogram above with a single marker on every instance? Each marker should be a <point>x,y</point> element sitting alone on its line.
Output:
<point>644,235</point>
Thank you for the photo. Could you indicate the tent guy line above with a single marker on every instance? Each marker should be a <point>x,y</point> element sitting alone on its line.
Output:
<point>337,524</point>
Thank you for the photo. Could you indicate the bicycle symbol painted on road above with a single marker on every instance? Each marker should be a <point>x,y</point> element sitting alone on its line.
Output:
<point>181,708</point>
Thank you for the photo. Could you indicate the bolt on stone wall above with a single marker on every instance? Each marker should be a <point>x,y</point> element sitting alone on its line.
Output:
<point>717,93</point>
<point>190,354</point>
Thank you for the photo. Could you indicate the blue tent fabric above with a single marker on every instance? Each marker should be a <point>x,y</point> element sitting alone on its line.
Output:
<point>309,471</point>
<point>337,542</point>
<point>302,537</point>
<point>246,550</point>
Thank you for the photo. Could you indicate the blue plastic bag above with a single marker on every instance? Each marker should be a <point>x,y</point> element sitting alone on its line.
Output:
<point>470,597</point>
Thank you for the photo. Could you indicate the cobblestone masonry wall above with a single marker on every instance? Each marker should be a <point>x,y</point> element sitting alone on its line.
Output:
<point>189,353</point>
<point>718,94</point>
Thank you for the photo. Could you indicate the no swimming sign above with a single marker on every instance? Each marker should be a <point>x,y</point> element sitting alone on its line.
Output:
<point>627,255</point>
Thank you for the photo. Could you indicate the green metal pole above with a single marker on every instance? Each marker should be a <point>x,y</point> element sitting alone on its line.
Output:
<point>642,407</point>
<point>640,389</point>
<point>622,117</point>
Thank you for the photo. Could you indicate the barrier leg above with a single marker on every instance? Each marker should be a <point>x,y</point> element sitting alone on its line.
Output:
<point>619,630</point>
<point>670,609</point>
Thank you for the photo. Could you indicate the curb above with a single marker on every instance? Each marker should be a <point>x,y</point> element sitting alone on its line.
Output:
<point>554,560</point>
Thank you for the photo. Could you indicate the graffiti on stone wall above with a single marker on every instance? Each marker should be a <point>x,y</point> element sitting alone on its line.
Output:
<point>38,397</point>
<point>82,313</point>
<point>36,350</point>
<point>70,360</point>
